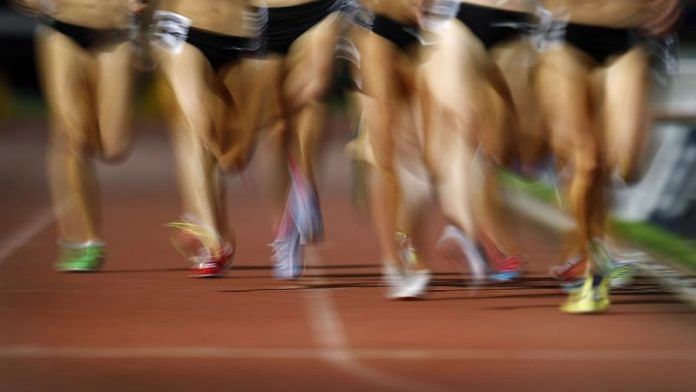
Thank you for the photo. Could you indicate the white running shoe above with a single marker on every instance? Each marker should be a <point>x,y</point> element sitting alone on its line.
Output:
<point>288,252</point>
<point>456,245</point>
<point>415,285</point>
<point>393,277</point>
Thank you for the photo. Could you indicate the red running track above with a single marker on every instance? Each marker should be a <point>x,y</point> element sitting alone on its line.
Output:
<point>142,325</point>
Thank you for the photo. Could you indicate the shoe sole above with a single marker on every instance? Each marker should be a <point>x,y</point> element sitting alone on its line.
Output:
<point>211,275</point>
<point>68,269</point>
<point>206,276</point>
<point>77,270</point>
<point>502,277</point>
<point>595,309</point>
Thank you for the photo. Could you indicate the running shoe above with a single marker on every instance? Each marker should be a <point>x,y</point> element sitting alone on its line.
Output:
<point>456,245</point>
<point>572,269</point>
<point>209,255</point>
<point>570,274</point>
<point>414,285</point>
<point>212,264</point>
<point>305,208</point>
<point>592,297</point>
<point>625,266</point>
<point>393,278</point>
<point>288,251</point>
<point>507,269</point>
<point>622,274</point>
<point>601,256</point>
<point>85,257</point>
<point>503,268</point>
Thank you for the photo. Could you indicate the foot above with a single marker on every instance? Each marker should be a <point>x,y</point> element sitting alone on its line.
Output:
<point>393,278</point>
<point>414,285</point>
<point>625,266</point>
<point>456,245</point>
<point>571,273</point>
<point>288,251</point>
<point>305,208</point>
<point>622,274</point>
<point>212,263</point>
<point>507,269</point>
<point>621,268</point>
<point>504,268</point>
<point>86,257</point>
<point>209,255</point>
<point>592,297</point>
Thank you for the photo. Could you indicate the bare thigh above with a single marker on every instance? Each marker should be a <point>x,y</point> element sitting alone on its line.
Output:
<point>189,77</point>
<point>66,72</point>
<point>309,64</point>
<point>625,115</point>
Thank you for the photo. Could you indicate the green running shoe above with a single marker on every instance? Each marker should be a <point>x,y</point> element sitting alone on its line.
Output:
<point>85,257</point>
<point>622,275</point>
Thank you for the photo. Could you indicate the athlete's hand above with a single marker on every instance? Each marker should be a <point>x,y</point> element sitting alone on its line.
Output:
<point>664,15</point>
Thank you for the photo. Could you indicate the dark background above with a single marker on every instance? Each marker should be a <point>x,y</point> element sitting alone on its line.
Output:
<point>17,51</point>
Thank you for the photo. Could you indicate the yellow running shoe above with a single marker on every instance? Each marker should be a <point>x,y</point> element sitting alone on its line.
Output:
<point>589,299</point>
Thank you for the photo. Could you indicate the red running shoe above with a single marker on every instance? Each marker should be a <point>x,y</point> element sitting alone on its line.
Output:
<point>209,255</point>
<point>570,274</point>
<point>573,269</point>
<point>503,268</point>
<point>212,264</point>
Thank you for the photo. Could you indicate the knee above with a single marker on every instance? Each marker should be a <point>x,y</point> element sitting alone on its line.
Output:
<point>311,93</point>
<point>114,152</point>
<point>237,158</point>
<point>277,136</point>
<point>317,90</point>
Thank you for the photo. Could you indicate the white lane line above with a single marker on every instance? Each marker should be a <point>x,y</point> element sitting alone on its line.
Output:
<point>330,336</point>
<point>25,234</point>
<point>342,356</point>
